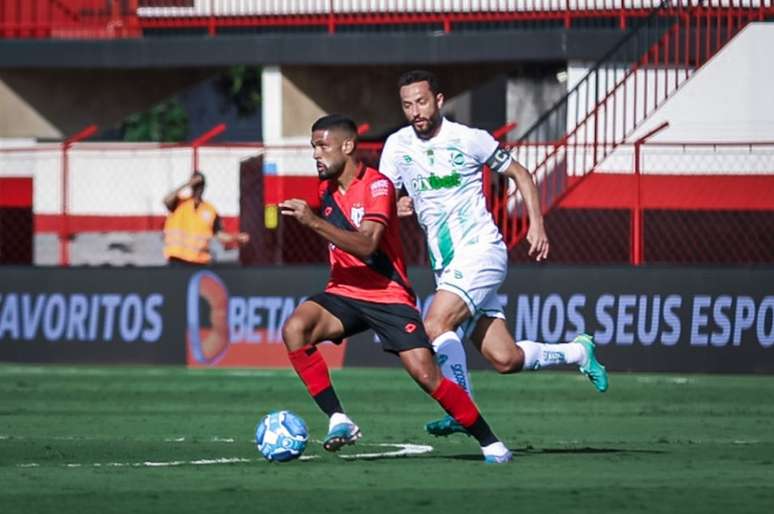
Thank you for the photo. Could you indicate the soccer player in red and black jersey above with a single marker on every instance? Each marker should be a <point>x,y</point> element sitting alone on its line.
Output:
<point>368,288</point>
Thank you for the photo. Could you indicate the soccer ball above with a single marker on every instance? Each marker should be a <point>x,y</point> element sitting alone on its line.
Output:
<point>281,436</point>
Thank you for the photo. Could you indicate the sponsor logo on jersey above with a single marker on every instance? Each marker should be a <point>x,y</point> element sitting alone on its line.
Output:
<point>436,183</point>
<point>380,188</point>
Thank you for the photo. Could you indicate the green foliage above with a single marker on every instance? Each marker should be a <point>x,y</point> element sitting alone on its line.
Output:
<point>165,122</point>
<point>241,86</point>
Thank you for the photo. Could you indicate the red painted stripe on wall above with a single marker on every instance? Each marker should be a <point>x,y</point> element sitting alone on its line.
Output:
<point>279,188</point>
<point>15,191</point>
<point>689,192</point>
<point>94,223</point>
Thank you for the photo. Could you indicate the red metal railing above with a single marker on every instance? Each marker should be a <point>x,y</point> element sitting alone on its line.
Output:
<point>114,192</point>
<point>637,250</point>
<point>613,99</point>
<point>64,230</point>
<point>130,18</point>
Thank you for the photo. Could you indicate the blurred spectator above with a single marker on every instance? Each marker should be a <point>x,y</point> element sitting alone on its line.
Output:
<point>191,224</point>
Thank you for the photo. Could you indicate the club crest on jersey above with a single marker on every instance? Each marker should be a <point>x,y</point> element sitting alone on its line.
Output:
<point>356,214</point>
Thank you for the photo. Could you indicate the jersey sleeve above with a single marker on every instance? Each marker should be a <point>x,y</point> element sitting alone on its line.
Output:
<point>486,150</point>
<point>379,201</point>
<point>387,166</point>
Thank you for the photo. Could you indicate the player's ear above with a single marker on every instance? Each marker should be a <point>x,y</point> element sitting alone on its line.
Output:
<point>439,99</point>
<point>348,146</point>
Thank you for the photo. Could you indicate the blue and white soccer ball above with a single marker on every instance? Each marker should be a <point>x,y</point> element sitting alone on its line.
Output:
<point>281,436</point>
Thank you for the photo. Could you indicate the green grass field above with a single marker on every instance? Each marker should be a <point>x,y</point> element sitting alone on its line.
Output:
<point>82,439</point>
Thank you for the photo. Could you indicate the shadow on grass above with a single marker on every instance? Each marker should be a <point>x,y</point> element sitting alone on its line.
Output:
<point>526,452</point>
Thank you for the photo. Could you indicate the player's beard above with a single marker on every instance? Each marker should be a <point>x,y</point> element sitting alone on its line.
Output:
<point>431,124</point>
<point>326,172</point>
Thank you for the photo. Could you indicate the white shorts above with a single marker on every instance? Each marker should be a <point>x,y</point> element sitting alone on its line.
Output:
<point>476,276</point>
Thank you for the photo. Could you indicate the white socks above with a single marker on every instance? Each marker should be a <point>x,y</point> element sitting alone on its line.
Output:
<point>495,449</point>
<point>541,355</point>
<point>452,360</point>
<point>339,418</point>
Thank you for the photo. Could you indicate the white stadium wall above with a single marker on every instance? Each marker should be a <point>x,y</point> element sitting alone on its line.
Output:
<point>124,180</point>
<point>120,180</point>
<point>727,100</point>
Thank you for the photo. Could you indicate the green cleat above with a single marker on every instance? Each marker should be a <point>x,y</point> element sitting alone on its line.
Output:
<point>592,368</point>
<point>341,435</point>
<point>445,426</point>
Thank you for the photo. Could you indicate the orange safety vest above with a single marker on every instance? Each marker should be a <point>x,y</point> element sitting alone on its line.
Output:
<point>188,230</point>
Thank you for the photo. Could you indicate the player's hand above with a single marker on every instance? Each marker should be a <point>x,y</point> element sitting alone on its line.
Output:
<point>405,206</point>
<point>298,209</point>
<point>538,241</point>
<point>195,180</point>
<point>242,238</point>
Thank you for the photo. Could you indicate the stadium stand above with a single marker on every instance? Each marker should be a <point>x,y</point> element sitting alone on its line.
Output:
<point>606,174</point>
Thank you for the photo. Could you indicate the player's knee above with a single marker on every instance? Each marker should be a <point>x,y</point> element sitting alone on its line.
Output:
<point>434,327</point>
<point>294,333</point>
<point>506,362</point>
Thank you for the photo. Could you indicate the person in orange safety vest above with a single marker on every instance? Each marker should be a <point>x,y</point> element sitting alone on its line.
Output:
<point>191,224</point>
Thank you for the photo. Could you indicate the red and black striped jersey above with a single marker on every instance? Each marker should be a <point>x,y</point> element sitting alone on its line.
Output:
<point>381,278</point>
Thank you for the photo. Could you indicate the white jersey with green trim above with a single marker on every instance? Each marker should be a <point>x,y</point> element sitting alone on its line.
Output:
<point>443,175</point>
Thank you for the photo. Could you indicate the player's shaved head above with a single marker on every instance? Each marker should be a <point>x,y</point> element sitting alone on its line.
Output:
<point>334,141</point>
<point>337,122</point>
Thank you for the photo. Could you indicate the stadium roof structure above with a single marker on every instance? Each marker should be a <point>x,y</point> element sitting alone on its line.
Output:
<point>310,49</point>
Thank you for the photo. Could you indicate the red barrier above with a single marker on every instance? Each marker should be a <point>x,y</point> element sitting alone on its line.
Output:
<point>129,18</point>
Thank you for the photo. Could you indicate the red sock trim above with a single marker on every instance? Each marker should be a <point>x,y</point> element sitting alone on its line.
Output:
<point>456,402</point>
<point>312,369</point>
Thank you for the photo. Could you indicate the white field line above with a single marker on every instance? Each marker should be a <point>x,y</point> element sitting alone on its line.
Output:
<point>181,439</point>
<point>403,450</point>
<point>665,380</point>
<point>118,371</point>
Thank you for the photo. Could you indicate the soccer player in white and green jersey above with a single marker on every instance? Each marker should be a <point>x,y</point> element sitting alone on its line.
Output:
<point>439,163</point>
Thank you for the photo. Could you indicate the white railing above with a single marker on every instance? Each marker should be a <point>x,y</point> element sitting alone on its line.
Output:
<point>312,7</point>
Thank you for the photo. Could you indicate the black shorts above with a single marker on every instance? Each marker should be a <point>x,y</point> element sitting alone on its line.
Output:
<point>398,326</point>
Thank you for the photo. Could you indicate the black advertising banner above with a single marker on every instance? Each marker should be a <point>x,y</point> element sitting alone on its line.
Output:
<point>97,315</point>
<point>643,319</point>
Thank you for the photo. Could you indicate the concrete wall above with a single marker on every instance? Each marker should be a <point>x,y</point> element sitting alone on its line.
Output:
<point>295,96</point>
<point>52,104</point>
<point>20,119</point>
